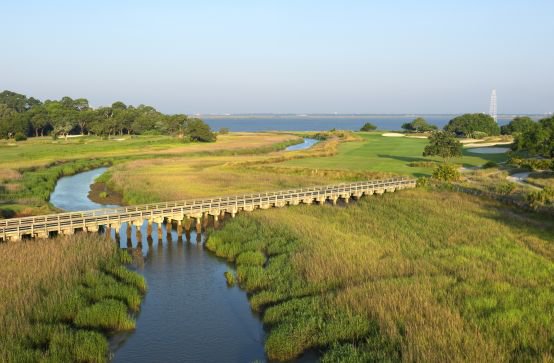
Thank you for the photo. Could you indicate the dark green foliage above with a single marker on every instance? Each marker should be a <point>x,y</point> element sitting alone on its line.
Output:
<point>198,130</point>
<point>533,164</point>
<point>443,144</point>
<point>20,136</point>
<point>469,123</point>
<point>74,116</point>
<point>446,172</point>
<point>490,164</point>
<point>518,125</point>
<point>537,139</point>
<point>223,131</point>
<point>419,125</point>
<point>368,126</point>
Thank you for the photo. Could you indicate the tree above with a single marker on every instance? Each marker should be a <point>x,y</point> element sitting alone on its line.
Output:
<point>6,116</point>
<point>538,139</point>
<point>518,125</point>
<point>419,125</point>
<point>368,126</point>
<point>469,124</point>
<point>198,130</point>
<point>39,119</point>
<point>443,144</point>
<point>17,102</point>
<point>175,124</point>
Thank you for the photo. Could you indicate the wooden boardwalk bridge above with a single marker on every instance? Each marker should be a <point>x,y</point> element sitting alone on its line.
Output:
<point>183,213</point>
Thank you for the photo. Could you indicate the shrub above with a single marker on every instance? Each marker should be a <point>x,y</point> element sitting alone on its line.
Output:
<point>223,130</point>
<point>103,194</point>
<point>20,136</point>
<point>505,188</point>
<point>533,164</point>
<point>446,172</point>
<point>368,126</point>
<point>489,165</point>
<point>541,197</point>
<point>422,182</point>
<point>479,134</point>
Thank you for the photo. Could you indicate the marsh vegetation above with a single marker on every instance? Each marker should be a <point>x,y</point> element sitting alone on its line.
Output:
<point>61,299</point>
<point>411,276</point>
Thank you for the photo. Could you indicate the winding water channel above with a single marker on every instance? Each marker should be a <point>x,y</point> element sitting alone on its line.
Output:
<point>189,314</point>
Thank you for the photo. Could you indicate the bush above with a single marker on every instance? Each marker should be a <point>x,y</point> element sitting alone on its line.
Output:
<point>422,182</point>
<point>533,164</point>
<point>223,130</point>
<point>103,194</point>
<point>20,136</point>
<point>505,188</point>
<point>541,197</point>
<point>446,172</point>
<point>368,126</point>
<point>489,165</point>
<point>479,134</point>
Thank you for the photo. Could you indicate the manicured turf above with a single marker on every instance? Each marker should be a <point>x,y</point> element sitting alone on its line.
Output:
<point>386,154</point>
<point>44,150</point>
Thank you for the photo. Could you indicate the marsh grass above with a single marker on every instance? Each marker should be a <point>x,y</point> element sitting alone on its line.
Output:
<point>412,276</point>
<point>58,297</point>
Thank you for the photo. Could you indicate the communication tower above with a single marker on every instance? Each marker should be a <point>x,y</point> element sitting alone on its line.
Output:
<point>492,107</point>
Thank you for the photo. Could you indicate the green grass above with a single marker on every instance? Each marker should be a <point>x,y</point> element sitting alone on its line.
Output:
<point>387,154</point>
<point>412,276</point>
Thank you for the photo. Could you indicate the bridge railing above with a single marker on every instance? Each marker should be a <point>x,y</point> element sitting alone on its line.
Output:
<point>153,210</point>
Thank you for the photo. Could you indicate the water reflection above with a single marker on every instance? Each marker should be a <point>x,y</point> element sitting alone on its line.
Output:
<point>189,313</point>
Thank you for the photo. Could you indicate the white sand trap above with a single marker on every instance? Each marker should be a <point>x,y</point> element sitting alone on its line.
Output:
<point>489,150</point>
<point>485,144</point>
<point>120,139</point>
<point>393,134</point>
<point>417,137</point>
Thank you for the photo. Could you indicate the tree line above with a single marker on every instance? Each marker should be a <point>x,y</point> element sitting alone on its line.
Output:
<point>28,116</point>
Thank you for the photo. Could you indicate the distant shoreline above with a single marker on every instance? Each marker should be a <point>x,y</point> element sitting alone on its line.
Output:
<point>353,116</point>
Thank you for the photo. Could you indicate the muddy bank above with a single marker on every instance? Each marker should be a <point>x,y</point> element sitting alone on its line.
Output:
<point>100,193</point>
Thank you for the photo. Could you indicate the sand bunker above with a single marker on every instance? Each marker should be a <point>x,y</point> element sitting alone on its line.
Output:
<point>393,134</point>
<point>489,150</point>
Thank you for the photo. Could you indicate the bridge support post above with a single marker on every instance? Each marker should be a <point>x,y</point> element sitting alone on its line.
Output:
<point>198,225</point>
<point>179,229</point>
<point>160,231</point>
<point>168,226</point>
<point>205,220</point>
<point>149,228</point>
<point>187,222</point>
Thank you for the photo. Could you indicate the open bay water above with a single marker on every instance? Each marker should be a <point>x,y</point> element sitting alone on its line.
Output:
<point>315,123</point>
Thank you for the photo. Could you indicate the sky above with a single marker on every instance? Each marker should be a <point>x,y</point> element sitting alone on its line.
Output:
<point>284,56</point>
